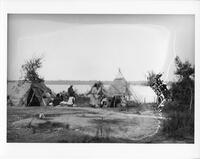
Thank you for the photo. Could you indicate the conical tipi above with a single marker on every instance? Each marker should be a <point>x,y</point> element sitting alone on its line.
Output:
<point>119,86</point>
<point>29,94</point>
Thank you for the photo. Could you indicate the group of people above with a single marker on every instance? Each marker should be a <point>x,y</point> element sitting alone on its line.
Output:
<point>96,94</point>
<point>98,98</point>
<point>65,99</point>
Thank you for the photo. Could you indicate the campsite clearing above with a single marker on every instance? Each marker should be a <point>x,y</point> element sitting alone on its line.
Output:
<point>80,124</point>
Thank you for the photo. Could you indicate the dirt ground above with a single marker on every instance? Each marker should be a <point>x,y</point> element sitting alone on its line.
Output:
<point>82,124</point>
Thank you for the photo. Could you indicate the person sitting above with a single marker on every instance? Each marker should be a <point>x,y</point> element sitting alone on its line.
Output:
<point>104,102</point>
<point>123,103</point>
<point>71,101</point>
<point>57,100</point>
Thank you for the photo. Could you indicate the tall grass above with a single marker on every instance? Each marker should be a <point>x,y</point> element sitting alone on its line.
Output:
<point>179,123</point>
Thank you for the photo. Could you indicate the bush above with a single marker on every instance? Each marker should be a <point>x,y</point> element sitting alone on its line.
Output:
<point>179,124</point>
<point>180,111</point>
<point>30,70</point>
<point>172,106</point>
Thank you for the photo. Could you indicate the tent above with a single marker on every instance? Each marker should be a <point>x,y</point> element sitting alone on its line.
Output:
<point>29,94</point>
<point>120,87</point>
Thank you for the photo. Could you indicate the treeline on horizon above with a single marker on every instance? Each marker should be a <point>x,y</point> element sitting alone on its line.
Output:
<point>81,82</point>
<point>90,82</point>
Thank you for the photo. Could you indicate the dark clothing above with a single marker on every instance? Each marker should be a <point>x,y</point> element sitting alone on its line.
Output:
<point>71,92</point>
<point>56,101</point>
<point>115,101</point>
<point>61,97</point>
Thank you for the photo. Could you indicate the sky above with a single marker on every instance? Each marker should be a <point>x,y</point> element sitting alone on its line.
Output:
<point>93,47</point>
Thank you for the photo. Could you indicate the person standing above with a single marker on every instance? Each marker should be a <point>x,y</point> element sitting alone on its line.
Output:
<point>71,91</point>
<point>93,94</point>
<point>71,95</point>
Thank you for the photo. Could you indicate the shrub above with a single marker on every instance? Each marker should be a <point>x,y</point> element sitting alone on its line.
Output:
<point>180,111</point>
<point>179,124</point>
<point>30,70</point>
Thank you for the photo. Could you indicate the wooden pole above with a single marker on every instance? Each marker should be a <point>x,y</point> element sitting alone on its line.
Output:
<point>31,98</point>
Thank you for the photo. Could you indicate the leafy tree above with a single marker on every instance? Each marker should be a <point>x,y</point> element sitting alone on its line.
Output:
<point>183,89</point>
<point>180,111</point>
<point>183,70</point>
<point>150,78</point>
<point>30,69</point>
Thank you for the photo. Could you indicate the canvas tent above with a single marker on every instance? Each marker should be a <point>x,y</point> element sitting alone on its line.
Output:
<point>120,87</point>
<point>29,94</point>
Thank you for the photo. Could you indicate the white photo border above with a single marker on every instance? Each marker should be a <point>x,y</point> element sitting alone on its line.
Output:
<point>32,150</point>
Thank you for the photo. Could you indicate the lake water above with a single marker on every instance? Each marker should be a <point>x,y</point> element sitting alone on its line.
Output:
<point>142,93</point>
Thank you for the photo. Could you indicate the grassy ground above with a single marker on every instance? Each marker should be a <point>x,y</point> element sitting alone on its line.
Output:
<point>59,133</point>
<point>45,133</point>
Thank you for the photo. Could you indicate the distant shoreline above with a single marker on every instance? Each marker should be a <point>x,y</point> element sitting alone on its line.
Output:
<point>80,82</point>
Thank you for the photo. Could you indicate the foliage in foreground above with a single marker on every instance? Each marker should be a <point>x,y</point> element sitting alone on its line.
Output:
<point>180,111</point>
<point>180,124</point>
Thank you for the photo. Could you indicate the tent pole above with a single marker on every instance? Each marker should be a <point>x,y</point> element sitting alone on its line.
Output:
<point>31,98</point>
<point>114,102</point>
<point>44,102</point>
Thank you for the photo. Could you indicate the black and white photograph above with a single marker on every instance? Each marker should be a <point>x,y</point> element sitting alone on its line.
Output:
<point>100,78</point>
